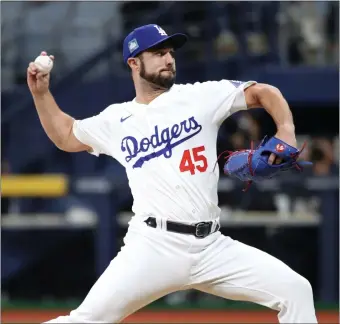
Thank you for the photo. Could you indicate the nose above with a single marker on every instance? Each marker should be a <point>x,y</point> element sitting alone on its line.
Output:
<point>169,59</point>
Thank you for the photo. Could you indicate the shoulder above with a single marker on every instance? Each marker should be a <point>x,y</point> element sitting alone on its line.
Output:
<point>210,85</point>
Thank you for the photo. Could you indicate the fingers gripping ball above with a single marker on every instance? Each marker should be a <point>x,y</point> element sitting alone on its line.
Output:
<point>44,63</point>
<point>252,164</point>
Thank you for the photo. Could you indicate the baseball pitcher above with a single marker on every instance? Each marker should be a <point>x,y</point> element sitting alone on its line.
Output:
<point>166,140</point>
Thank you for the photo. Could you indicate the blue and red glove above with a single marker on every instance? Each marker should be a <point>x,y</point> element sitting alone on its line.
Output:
<point>252,165</point>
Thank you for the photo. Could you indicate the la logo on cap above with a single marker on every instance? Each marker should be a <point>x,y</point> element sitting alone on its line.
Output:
<point>133,45</point>
<point>161,31</point>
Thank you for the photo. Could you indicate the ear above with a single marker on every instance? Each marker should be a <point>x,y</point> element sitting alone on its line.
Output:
<point>133,64</point>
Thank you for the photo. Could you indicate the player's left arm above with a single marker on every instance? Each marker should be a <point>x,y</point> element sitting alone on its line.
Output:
<point>270,98</point>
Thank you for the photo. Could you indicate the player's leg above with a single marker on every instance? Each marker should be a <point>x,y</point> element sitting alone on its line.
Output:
<point>236,271</point>
<point>142,272</point>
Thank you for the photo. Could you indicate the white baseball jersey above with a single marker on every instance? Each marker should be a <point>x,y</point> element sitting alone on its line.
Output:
<point>168,147</point>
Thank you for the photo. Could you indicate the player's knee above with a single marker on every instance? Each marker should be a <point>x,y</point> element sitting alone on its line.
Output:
<point>302,285</point>
<point>298,288</point>
<point>306,287</point>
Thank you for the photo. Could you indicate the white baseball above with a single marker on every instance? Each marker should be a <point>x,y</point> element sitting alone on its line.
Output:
<point>44,63</point>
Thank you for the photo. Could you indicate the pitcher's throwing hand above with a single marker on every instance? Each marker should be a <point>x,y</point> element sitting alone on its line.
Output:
<point>38,81</point>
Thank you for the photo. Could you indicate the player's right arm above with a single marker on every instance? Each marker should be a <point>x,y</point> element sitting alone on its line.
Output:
<point>57,124</point>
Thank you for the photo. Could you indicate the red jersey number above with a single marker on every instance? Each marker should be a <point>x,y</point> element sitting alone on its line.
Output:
<point>194,160</point>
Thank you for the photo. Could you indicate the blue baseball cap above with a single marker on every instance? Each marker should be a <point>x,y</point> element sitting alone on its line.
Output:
<point>148,36</point>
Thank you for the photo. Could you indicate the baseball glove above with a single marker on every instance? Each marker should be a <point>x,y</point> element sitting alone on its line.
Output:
<point>252,165</point>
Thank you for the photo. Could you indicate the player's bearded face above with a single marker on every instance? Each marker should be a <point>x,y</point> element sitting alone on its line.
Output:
<point>163,78</point>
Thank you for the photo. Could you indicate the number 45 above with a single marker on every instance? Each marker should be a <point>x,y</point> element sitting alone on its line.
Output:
<point>196,156</point>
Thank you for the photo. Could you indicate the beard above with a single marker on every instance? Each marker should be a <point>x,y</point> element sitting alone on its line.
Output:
<point>158,79</point>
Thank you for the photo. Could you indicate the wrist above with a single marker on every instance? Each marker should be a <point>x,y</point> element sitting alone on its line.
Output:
<point>286,128</point>
<point>40,95</point>
<point>287,134</point>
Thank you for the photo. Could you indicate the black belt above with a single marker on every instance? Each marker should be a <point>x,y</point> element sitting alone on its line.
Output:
<point>199,230</point>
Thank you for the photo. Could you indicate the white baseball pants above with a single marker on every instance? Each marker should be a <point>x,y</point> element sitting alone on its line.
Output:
<point>154,263</point>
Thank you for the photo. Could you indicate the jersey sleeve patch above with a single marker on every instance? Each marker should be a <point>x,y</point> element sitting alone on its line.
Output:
<point>236,83</point>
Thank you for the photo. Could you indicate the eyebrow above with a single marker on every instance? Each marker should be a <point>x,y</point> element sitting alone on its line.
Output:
<point>157,50</point>
<point>162,46</point>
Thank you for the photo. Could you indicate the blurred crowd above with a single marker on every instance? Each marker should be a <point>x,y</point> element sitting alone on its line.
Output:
<point>285,32</point>
<point>300,32</point>
<point>315,38</point>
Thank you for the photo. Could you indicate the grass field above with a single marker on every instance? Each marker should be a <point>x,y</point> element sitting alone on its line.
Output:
<point>176,316</point>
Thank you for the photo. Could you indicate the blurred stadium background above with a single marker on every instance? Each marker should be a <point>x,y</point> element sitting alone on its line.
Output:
<point>64,215</point>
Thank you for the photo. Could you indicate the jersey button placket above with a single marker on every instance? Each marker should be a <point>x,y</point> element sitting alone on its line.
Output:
<point>151,127</point>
